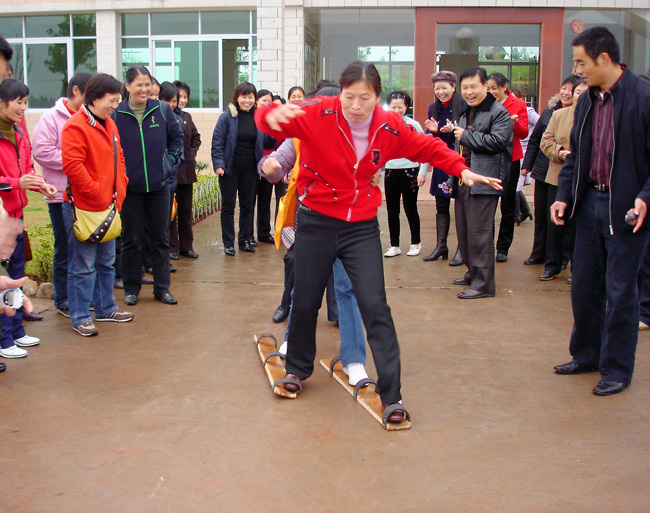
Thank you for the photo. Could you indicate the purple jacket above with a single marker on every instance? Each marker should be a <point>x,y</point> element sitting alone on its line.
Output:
<point>286,156</point>
<point>46,147</point>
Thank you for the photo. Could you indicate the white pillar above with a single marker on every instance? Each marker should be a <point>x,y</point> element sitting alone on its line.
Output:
<point>109,55</point>
<point>280,45</point>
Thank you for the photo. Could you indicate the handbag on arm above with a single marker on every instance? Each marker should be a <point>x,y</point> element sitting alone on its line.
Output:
<point>98,226</point>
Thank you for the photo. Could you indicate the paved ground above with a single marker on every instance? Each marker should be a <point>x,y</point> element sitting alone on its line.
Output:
<point>173,413</point>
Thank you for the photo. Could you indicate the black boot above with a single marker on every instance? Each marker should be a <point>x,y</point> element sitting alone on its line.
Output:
<point>457,260</point>
<point>442,229</point>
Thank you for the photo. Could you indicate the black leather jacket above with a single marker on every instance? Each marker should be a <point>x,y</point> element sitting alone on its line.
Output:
<point>490,141</point>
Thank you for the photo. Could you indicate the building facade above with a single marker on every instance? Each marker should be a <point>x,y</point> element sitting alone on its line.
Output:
<point>277,44</point>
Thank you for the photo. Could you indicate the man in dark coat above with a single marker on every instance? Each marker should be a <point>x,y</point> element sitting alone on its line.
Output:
<point>605,179</point>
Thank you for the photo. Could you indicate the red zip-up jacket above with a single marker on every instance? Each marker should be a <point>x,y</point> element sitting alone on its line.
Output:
<point>14,163</point>
<point>332,181</point>
<point>517,106</point>
<point>88,161</point>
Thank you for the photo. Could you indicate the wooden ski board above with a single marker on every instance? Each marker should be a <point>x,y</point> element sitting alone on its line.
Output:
<point>367,396</point>
<point>274,367</point>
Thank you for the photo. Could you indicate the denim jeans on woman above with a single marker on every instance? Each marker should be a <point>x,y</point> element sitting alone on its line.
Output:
<point>12,327</point>
<point>60,261</point>
<point>90,274</point>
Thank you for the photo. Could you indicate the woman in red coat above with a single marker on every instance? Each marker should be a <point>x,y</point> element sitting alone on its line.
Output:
<point>16,176</point>
<point>94,164</point>
<point>344,142</point>
<point>498,86</point>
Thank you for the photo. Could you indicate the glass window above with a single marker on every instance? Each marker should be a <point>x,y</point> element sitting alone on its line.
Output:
<point>170,23</point>
<point>11,26</point>
<point>84,55</point>
<point>336,37</point>
<point>135,24</point>
<point>631,27</point>
<point>17,62</point>
<point>134,51</point>
<point>224,22</point>
<point>83,25</point>
<point>164,62</point>
<point>47,73</point>
<point>47,26</point>
<point>510,49</point>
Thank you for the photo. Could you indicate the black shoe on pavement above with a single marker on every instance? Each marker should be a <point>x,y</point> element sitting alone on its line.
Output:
<point>253,243</point>
<point>189,254</point>
<point>502,257</point>
<point>280,314</point>
<point>610,387</point>
<point>166,298</point>
<point>548,276</point>
<point>172,269</point>
<point>31,316</point>
<point>145,280</point>
<point>266,239</point>
<point>131,299</point>
<point>3,367</point>
<point>173,256</point>
<point>573,368</point>
<point>247,247</point>
<point>533,261</point>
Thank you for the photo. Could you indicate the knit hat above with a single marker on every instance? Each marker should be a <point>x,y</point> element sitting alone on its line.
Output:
<point>444,76</point>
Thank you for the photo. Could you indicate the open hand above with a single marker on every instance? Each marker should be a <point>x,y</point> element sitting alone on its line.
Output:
<point>470,179</point>
<point>282,115</point>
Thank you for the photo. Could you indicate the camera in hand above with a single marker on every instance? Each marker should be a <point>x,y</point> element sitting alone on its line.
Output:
<point>12,298</point>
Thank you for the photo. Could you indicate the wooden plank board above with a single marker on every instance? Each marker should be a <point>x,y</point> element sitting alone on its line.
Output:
<point>274,367</point>
<point>367,396</point>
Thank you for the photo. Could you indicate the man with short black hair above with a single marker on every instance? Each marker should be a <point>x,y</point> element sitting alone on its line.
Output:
<point>605,178</point>
<point>6,53</point>
<point>485,135</point>
<point>47,152</point>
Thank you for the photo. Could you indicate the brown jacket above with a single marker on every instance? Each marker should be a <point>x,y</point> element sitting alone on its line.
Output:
<point>556,138</point>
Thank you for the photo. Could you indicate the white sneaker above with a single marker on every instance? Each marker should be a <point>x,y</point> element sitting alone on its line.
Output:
<point>283,348</point>
<point>414,250</point>
<point>356,372</point>
<point>27,341</point>
<point>643,326</point>
<point>393,251</point>
<point>13,352</point>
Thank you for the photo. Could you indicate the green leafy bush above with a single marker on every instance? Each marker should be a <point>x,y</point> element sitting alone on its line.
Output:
<point>206,199</point>
<point>41,240</point>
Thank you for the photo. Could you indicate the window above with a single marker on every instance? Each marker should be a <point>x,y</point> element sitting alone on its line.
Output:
<point>211,51</point>
<point>510,49</point>
<point>49,50</point>
<point>394,64</point>
<point>336,37</point>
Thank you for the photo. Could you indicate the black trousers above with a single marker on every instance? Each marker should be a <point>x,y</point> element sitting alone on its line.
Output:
<point>644,289</point>
<point>508,210</point>
<point>154,207</point>
<point>475,230</point>
<point>556,236</point>
<point>288,278</point>
<point>604,291</point>
<point>319,240</point>
<point>541,221</point>
<point>398,185</point>
<point>264,193</point>
<point>181,236</point>
<point>240,183</point>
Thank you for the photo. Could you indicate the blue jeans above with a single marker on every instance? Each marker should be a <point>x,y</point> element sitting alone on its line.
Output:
<point>12,327</point>
<point>353,340</point>
<point>60,261</point>
<point>90,274</point>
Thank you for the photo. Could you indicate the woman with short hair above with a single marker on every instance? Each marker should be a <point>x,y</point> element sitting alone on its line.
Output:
<point>94,164</point>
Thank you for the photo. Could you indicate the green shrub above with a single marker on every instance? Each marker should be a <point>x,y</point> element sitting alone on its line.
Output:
<point>206,199</point>
<point>41,240</point>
